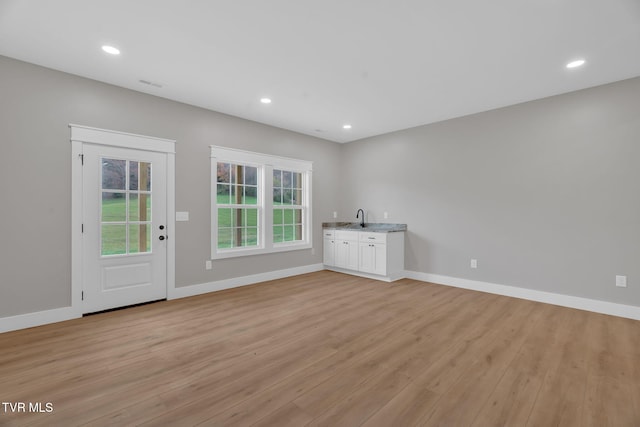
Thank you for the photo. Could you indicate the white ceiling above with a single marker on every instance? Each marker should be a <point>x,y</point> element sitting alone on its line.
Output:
<point>377,65</point>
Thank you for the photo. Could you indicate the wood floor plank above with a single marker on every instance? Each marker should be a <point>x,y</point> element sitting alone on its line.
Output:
<point>560,399</point>
<point>328,349</point>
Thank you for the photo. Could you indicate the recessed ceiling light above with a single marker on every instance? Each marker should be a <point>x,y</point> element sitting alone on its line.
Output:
<point>265,100</point>
<point>576,63</point>
<point>346,127</point>
<point>111,50</point>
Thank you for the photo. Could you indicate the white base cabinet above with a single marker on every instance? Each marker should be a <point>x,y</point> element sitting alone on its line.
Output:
<point>329,247</point>
<point>376,255</point>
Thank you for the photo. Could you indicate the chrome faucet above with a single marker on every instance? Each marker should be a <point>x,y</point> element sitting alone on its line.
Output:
<point>358,215</point>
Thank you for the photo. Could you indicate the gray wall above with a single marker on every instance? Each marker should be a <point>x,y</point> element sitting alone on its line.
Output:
<point>36,107</point>
<point>545,194</point>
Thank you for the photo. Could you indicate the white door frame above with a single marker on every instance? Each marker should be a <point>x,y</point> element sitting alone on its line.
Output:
<point>84,134</point>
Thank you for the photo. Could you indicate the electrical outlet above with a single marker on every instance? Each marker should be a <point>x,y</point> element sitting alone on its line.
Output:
<point>386,215</point>
<point>621,281</point>
<point>207,264</point>
<point>335,214</point>
<point>474,263</point>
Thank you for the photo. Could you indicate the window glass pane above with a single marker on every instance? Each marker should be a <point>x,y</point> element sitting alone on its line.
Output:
<point>251,217</point>
<point>114,174</point>
<point>250,195</point>
<point>278,215</point>
<point>114,239</point>
<point>114,207</point>
<point>277,196</point>
<point>252,236</point>
<point>288,216</point>
<point>238,237</point>
<point>145,176</point>
<point>225,218</point>
<point>278,233</point>
<point>222,194</point>
<point>250,175</point>
<point>139,207</point>
<point>298,232</point>
<point>232,174</point>
<point>286,179</point>
<point>224,238</point>
<point>297,216</point>
<point>288,233</point>
<point>277,178</point>
<point>139,238</point>
<point>224,172</point>
<point>287,196</point>
<point>233,192</point>
<point>237,217</point>
<point>133,175</point>
<point>296,197</point>
<point>297,180</point>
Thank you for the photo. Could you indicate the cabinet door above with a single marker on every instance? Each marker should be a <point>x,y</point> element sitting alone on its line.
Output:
<point>380,259</point>
<point>373,258</point>
<point>366,262</point>
<point>347,254</point>
<point>329,250</point>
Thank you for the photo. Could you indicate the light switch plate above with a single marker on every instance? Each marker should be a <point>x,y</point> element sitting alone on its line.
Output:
<point>182,216</point>
<point>621,281</point>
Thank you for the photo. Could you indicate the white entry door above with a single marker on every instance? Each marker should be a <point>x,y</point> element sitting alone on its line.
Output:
<point>124,218</point>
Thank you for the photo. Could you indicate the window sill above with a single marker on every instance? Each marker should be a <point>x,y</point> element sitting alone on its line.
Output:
<point>279,247</point>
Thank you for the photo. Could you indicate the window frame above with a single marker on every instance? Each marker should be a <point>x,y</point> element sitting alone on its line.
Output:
<point>265,163</point>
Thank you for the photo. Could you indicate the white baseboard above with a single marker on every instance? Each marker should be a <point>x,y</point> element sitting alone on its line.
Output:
<point>597,306</point>
<point>235,282</point>
<point>39,318</point>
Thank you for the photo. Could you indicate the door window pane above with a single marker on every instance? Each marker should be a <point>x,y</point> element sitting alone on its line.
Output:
<point>139,238</point>
<point>125,214</point>
<point>114,174</point>
<point>139,207</point>
<point>114,207</point>
<point>114,239</point>
<point>140,176</point>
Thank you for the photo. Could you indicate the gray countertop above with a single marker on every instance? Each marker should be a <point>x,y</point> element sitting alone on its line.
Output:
<point>371,227</point>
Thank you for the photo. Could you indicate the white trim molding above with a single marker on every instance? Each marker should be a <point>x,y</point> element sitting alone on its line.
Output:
<point>597,306</point>
<point>81,135</point>
<point>121,139</point>
<point>265,165</point>
<point>39,318</point>
<point>236,282</point>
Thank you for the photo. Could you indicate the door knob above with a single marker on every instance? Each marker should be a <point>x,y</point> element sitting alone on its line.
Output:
<point>161,227</point>
<point>161,237</point>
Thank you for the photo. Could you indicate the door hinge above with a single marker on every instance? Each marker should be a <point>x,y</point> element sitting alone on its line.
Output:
<point>82,159</point>
<point>83,228</point>
<point>82,295</point>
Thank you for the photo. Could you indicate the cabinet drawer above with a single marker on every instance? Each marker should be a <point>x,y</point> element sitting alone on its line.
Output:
<point>373,237</point>
<point>328,233</point>
<point>346,235</point>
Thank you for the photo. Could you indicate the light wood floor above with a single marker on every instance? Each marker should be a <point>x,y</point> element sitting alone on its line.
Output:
<point>329,349</point>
